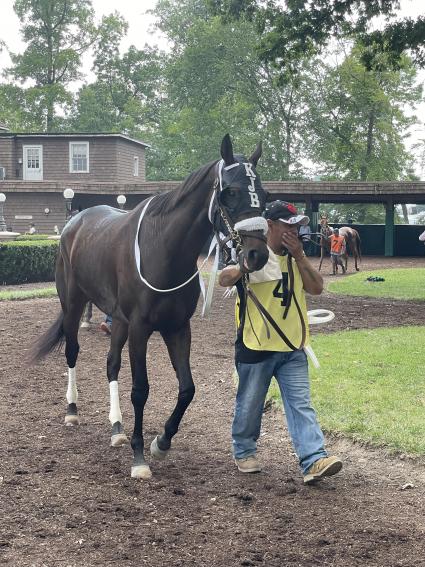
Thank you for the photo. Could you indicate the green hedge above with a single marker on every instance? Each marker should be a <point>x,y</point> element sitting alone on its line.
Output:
<point>27,262</point>
<point>32,237</point>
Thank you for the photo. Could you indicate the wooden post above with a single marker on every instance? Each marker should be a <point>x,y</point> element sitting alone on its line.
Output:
<point>389,228</point>
<point>308,208</point>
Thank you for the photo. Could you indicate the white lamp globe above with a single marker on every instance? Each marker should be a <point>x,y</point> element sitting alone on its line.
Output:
<point>2,197</point>
<point>68,193</point>
<point>121,200</point>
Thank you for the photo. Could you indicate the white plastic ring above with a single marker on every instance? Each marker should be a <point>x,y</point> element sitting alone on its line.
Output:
<point>316,316</point>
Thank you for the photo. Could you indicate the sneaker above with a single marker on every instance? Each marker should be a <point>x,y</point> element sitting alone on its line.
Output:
<point>327,466</point>
<point>105,327</point>
<point>248,464</point>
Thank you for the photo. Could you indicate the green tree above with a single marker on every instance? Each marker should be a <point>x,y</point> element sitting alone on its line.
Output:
<point>358,118</point>
<point>128,90</point>
<point>217,83</point>
<point>296,28</point>
<point>56,33</point>
<point>19,108</point>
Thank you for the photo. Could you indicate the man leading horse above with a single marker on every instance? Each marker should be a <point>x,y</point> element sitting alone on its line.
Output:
<point>272,332</point>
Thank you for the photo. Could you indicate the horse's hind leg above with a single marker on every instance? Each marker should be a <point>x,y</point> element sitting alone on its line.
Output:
<point>119,336</point>
<point>72,315</point>
<point>178,345</point>
<point>356,256</point>
<point>87,315</point>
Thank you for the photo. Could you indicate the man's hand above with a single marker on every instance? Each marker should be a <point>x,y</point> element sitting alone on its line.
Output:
<point>229,276</point>
<point>293,244</point>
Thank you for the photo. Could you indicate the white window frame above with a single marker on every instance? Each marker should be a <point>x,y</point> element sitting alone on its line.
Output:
<point>136,166</point>
<point>82,143</point>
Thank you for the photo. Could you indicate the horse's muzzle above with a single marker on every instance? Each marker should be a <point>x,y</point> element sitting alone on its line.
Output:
<point>253,259</point>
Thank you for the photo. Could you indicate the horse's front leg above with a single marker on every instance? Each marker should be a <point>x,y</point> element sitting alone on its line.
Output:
<point>178,345</point>
<point>138,340</point>
<point>119,336</point>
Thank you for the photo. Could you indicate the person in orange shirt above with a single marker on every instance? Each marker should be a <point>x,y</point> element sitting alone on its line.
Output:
<point>337,243</point>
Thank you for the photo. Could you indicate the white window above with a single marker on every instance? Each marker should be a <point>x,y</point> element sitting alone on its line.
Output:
<point>78,157</point>
<point>136,166</point>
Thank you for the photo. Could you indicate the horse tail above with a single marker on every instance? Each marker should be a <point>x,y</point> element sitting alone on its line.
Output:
<point>51,340</point>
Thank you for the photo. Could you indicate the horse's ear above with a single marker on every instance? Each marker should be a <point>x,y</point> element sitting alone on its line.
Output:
<point>227,150</point>
<point>257,154</point>
<point>269,196</point>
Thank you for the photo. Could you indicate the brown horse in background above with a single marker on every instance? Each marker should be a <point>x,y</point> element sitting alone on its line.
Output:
<point>352,241</point>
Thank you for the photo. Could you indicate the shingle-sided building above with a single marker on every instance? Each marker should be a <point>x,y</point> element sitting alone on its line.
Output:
<point>35,169</point>
<point>71,158</point>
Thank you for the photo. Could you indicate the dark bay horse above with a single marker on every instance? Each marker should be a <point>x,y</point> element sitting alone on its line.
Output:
<point>139,266</point>
<point>352,241</point>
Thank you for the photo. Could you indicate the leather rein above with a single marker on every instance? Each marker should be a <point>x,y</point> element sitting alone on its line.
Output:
<point>265,315</point>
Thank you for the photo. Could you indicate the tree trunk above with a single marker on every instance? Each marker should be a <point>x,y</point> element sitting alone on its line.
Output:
<point>369,145</point>
<point>405,215</point>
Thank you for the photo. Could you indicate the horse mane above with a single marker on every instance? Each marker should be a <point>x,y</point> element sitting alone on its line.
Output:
<point>167,202</point>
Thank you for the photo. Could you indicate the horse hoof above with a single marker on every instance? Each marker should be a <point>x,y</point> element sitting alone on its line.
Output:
<point>71,420</point>
<point>141,471</point>
<point>119,440</point>
<point>85,325</point>
<point>156,452</point>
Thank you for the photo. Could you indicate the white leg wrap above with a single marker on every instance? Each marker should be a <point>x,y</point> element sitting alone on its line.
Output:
<point>72,393</point>
<point>115,411</point>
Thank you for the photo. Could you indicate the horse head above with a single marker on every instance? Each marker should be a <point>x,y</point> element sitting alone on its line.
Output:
<point>323,220</point>
<point>240,200</point>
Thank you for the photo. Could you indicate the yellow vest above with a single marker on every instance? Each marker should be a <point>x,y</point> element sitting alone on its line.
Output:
<point>272,295</point>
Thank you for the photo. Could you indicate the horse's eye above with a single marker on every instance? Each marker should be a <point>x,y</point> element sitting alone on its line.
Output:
<point>230,197</point>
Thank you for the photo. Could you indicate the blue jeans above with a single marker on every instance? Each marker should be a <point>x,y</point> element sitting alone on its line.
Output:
<point>291,372</point>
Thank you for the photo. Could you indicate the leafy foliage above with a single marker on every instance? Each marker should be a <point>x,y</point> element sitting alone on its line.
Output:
<point>258,78</point>
<point>358,119</point>
<point>300,28</point>
<point>56,32</point>
<point>128,91</point>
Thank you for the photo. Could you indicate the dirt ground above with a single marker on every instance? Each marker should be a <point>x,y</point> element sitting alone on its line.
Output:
<point>66,497</point>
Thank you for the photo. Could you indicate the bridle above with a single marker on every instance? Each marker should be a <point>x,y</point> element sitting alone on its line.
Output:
<point>234,236</point>
<point>229,235</point>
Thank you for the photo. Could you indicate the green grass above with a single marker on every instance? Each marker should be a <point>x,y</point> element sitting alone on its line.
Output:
<point>399,284</point>
<point>20,295</point>
<point>371,386</point>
